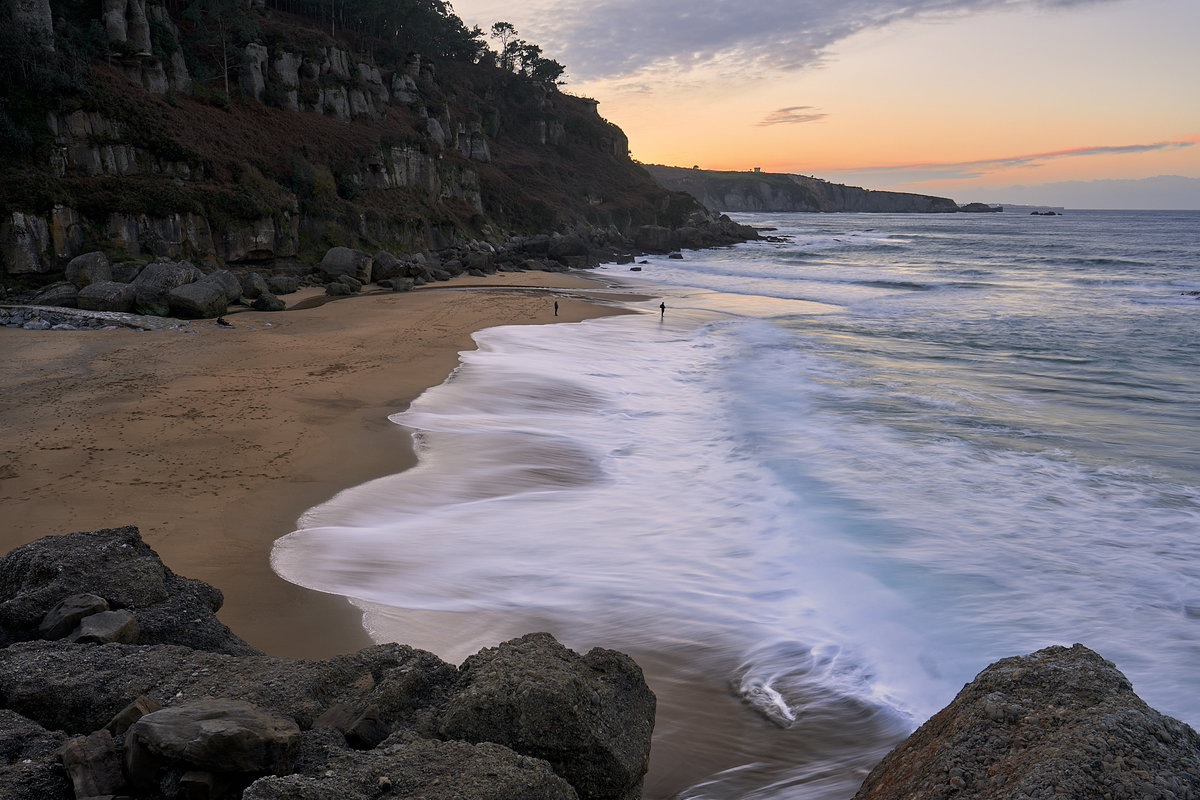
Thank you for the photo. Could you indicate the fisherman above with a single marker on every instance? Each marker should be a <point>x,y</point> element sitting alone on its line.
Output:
<point>662,309</point>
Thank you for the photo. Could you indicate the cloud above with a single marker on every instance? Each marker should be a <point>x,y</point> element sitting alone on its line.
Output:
<point>965,170</point>
<point>610,38</point>
<point>792,115</point>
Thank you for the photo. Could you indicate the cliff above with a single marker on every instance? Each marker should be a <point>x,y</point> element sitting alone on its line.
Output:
<point>237,134</point>
<point>766,191</point>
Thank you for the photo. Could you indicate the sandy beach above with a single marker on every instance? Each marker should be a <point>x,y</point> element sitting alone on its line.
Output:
<point>214,441</point>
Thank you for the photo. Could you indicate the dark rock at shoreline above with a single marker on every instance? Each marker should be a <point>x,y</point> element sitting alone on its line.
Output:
<point>117,566</point>
<point>361,725</point>
<point>589,716</point>
<point>1061,722</point>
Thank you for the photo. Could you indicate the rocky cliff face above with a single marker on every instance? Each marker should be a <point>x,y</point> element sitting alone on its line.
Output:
<point>761,191</point>
<point>234,133</point>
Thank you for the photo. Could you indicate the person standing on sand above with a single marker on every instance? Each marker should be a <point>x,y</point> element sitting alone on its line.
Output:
<point>556,308</point>
<point>662,310</point>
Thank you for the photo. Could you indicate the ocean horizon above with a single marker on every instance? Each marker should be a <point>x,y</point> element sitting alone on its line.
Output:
<point>845,470</point>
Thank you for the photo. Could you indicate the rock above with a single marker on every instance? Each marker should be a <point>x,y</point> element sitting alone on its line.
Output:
<point>29,763</point>
<point>107,626</point>
<point>340,261</point>
<point>654,239</point>
<point>81,689</point>
<point>589,716</point>
<point>62,294</point>
<point>120,724</point>
<point>268,302</point>
<point>218,736</point>
<point>106,296</point>
<point>283,284</point>
<point>253,285</point>
<point>386,266</point>
<point>407,766</point>
<point>116,565</point>
<point>127,271</point>
<point>88,268</point>
<point>363,729</point>
<point>153,285</point>
<point>228,282</point>
<point>1060,722</point>
<point>203,299</point>
<point>93,764</point>
<point>64,617</point>
<point>348,280</point>
<point>337,289</point>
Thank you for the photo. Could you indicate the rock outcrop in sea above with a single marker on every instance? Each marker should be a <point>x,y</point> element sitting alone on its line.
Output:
<point>117,679</point>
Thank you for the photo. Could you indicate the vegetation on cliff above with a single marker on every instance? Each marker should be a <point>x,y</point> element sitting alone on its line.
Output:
<point>255,131</point>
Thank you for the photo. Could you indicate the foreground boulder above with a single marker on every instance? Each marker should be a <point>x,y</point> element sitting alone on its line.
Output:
<point>589,716</point>
<point>116,568</point>
<point>408,766</point>
<point>1062,722</point>
<point>116,679</point>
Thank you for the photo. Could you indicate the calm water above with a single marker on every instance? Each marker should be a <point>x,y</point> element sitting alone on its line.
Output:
<point>842,475</point>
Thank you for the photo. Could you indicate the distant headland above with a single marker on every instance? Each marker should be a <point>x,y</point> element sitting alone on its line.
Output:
<point>773,191</point>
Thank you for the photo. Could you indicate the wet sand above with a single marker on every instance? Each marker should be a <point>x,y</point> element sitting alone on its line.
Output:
<point>214,441</point>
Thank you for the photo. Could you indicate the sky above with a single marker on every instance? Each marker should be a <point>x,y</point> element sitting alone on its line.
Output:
<point>1077,103</point>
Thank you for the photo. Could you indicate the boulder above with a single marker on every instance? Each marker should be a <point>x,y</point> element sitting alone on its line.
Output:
<point>590,717</point>
<point>1060,722</point>
<point>105,627</point>
<point>127,271</point>
<point>253,285</point>
<point>81,689</point>
<point>29,763</point>
<point>386,266</point>
<point>268,302</point>
<point>237,741</point>
<point>61,295</point>
<point>228,282</point>
<point>337,289</point>
<point>64,617</point>
<point>407,766</point>
<point>340,261</point>
<point>117,566</point>
<point>88,268</point>
<point>283,284</point>
<point>203,299</point>
<point>106,296</point>
<point>94,765</point>
<point>153,285</point>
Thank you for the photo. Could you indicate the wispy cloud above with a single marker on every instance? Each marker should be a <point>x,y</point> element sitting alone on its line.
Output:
<point>609,38</point>
<point>792,115</point>
<point>964,170</point>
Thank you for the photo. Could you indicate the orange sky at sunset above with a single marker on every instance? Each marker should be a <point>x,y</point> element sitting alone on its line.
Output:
<point>978,100</point>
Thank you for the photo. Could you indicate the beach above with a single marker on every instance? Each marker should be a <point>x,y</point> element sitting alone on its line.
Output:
<point>213,441</point>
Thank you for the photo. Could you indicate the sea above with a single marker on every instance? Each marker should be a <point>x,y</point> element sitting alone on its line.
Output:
<point>842,471</point>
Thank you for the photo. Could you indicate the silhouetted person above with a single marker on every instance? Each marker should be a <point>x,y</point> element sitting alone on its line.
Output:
<point>662,310</point>
<point>556,308</point>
